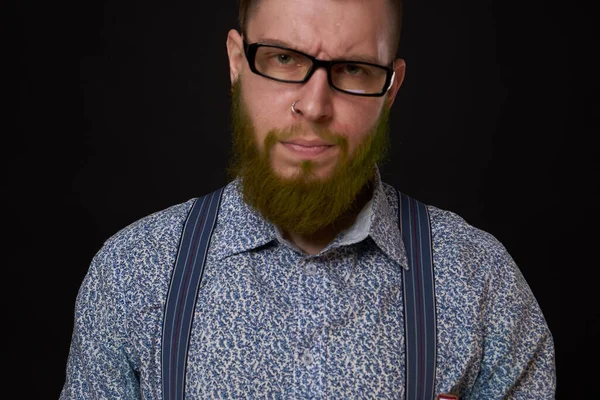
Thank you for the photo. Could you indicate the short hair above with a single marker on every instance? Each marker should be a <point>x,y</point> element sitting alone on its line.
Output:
<point>245,8</point>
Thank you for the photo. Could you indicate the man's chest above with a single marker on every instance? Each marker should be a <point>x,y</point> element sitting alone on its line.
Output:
<point>282,326</point>
<point>268,326</point>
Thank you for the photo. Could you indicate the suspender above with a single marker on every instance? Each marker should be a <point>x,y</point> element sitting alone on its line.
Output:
<point>419,300</point>
<point>181,299</point>
<point>419,296</point>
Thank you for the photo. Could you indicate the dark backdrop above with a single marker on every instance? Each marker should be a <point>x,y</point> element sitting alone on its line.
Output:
<point>122,110</point>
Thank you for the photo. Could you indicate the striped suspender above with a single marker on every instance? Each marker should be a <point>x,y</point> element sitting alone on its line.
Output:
<point>181,299</point>
<point>419,300</point>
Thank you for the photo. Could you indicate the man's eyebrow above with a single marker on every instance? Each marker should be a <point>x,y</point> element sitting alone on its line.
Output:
<point>355,57</point>
<point>363,58</point>
<point>277,42</point>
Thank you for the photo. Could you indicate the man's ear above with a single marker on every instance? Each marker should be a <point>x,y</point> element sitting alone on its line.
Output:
<point>235,51</point>
<point>399,69</point>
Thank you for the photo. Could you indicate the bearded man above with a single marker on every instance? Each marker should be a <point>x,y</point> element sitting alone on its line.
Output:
<point>301,286</point>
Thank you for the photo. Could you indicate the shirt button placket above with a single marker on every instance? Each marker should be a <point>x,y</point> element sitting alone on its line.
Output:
<point>309,301</point>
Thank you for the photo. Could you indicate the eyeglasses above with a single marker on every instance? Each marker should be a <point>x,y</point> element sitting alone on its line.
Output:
<point>290,66</point>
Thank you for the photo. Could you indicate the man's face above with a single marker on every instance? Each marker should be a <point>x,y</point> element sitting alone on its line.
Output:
<point>329,30</point>
<point>301,204</point>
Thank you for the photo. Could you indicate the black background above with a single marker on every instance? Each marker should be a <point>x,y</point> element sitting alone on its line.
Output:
<point>121,110</point>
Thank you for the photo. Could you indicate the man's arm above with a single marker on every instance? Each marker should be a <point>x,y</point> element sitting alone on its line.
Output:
<point>98,366</point>
<point>518,353</point>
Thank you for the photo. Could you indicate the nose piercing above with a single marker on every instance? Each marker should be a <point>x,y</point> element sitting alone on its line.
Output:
<point>293,109</point>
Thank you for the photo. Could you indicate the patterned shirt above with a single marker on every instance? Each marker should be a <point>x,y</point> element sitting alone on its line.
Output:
<point>274,322</point>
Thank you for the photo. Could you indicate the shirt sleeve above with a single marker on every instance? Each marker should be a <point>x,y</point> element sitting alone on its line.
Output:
<point>518,348</point>
<point>98,365</point>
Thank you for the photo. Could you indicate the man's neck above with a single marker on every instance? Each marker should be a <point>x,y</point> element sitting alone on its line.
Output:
<point>315,243</point>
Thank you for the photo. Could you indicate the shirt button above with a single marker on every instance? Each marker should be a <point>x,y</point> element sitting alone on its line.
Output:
<point>310,269</point>
<point>307,358</point>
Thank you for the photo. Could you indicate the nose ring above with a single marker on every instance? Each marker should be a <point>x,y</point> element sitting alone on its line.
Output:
<point>294,109</point>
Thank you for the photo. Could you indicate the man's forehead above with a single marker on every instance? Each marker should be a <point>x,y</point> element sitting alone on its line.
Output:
<point>330,28</point>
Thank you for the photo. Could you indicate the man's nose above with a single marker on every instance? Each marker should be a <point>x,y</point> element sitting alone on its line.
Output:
<point>315,100</point>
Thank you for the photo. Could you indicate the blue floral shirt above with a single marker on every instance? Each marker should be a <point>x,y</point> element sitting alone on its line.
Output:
<point>273,322</point>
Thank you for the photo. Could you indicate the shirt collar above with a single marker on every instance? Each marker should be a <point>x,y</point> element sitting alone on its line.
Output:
<point>384,228</point>
<point>241,228</point>
<point>378,219</point>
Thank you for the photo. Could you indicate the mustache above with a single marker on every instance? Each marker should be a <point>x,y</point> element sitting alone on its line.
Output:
<point>322,136</point>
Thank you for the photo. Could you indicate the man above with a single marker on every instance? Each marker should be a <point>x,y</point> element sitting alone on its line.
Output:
<point>302,289</point>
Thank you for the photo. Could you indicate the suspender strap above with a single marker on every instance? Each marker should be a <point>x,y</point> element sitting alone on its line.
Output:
<point>183,291</point>
<point>419,300</point>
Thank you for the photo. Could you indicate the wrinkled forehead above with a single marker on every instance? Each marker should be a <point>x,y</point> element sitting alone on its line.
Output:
<point>329,29</point>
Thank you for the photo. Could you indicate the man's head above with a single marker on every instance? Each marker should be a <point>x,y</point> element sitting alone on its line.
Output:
<point>327,128</point>
<point>246,7</point>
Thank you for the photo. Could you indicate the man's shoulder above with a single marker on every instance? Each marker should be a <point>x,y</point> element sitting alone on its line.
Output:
<point>453,235</point>
<point>153,236</point>
<point>152,229</point>
<point>138,258</point>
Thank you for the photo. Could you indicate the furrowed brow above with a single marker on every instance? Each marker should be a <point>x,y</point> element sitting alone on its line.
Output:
<point>355,57</point>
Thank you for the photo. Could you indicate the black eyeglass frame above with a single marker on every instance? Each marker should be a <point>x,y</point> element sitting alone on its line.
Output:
<point>250,50</point>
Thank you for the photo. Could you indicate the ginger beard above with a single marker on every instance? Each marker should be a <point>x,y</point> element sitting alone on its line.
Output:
<point>304,203</point>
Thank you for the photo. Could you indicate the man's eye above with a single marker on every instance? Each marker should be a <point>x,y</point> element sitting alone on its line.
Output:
<point>284,58</point>
<point>352,69</point>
